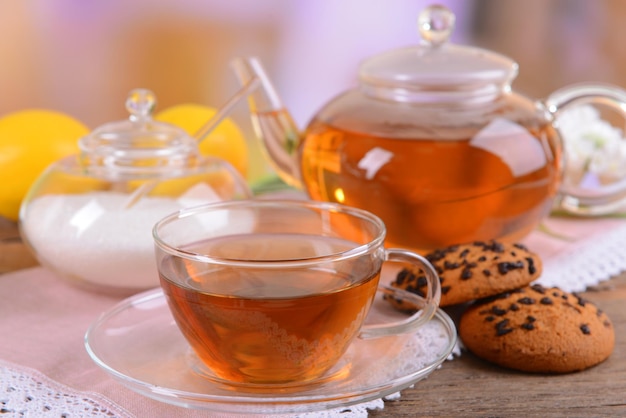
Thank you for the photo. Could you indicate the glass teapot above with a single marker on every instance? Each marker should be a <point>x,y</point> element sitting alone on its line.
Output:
<point>89,217</point>
<point>434,141</point>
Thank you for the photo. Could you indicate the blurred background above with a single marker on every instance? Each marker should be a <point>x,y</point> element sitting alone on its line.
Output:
<point>82,57</point>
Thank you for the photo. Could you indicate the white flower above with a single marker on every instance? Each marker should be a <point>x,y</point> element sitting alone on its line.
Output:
<point>592,146</point>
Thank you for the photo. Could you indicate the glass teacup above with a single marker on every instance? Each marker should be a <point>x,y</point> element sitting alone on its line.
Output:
<point>274,292</point>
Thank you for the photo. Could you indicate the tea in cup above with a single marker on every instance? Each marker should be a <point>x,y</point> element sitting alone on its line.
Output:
<point>274,292</point>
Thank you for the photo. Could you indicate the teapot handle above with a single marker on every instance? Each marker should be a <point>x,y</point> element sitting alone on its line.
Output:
<point>602,199</point>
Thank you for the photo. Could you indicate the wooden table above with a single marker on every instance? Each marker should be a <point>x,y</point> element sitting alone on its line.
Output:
<point>13,253</point>
<point>470,387</point>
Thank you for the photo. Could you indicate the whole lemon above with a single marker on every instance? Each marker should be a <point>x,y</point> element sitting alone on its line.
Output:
<point>226,141</point>
<point>31,140</point>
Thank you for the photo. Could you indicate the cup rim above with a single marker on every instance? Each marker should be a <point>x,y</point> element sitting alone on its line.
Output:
<point>356,251</point>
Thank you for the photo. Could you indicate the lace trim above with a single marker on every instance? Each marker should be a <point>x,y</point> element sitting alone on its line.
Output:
<point>26,392</point>
<point>587,261</point>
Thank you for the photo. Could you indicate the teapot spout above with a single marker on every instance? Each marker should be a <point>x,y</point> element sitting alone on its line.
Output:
<point>272,122</point>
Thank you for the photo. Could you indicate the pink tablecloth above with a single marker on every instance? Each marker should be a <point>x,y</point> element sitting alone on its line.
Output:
<point>43,322</point>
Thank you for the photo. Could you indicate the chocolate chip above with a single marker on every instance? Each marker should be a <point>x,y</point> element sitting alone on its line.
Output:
<point>501,327</point>
<point>585,329</point>
<point>538,288</point>
<point>529,324</point>
<point>448,265</point>
<point>546,301</point>
<point>482,258</point>
<point>416,289</point>
<point>422,281</point>
<point>490,318</point>
<point>486,272</point>
<point>531,265</point>
<point>436,255</point>
<point>520,246</point>
<point>464,253</point>
<point>526,301</point>
<point>402,276</point>
<point>445,289</point>
<point>514,307</point>
<point>507,266</point>
<point>466,274</point>
<point>498,311</point>
<point>496,247</point>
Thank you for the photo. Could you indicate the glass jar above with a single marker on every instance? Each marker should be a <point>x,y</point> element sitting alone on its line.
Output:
<point>89,217</point>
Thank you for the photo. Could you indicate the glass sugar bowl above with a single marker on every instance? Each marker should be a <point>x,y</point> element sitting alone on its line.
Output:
<point>89,217</point>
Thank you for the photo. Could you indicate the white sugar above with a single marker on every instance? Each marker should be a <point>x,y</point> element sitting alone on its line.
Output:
<point>91,237</point>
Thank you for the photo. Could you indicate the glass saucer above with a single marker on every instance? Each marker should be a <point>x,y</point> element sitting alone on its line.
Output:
<point>138,343</point>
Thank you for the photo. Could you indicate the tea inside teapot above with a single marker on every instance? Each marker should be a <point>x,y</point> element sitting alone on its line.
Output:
<point>439,185</point>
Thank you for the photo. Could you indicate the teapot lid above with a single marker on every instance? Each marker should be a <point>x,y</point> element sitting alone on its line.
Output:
<point>138,142</point>
<point>436,70</point>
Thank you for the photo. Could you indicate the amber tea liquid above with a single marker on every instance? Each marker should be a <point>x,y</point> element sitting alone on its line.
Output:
<point>267,326</point>
<point>432,192</point>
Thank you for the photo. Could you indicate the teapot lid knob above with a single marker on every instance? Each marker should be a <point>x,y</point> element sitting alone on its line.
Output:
<point>436,70</point>
<point>436,24</point>
<point>140,103</point>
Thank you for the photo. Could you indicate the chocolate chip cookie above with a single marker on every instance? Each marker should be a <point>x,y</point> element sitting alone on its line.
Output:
<point>472,271</point>
<point>537,329</point>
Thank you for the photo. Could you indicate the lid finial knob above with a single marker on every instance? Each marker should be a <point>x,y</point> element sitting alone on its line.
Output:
<point>435,24</point>
<point>140,103</point>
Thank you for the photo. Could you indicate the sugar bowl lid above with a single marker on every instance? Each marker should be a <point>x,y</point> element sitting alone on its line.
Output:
<point>139,142</point>
<point>436,69</point>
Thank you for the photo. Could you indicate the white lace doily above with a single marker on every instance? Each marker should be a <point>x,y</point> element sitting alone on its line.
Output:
<point>25,392</point>
<point>354,411</point>
<point>579,254</point>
